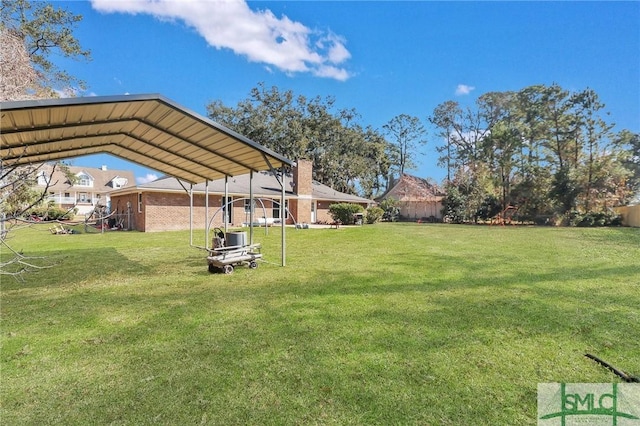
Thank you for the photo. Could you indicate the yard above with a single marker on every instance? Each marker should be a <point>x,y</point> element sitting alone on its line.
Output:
<point>382,324</point>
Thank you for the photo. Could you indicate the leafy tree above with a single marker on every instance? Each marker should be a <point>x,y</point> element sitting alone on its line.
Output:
<point>628,145</point>
<point>531,192</point>
<point>501,147</point>
<point>453,204</point>
<point>407,134</point>
<point>445,119</point>
<point>543,148</point>
<point>345,155</point>
<point>45,31</point>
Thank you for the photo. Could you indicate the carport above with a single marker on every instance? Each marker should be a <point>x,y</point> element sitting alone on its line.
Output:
<point>149,130</point>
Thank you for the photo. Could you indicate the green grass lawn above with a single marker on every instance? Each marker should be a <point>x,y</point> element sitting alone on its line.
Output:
<point>381,324</point>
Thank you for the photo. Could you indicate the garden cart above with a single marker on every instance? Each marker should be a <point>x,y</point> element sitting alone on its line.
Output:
<point>231,250</point>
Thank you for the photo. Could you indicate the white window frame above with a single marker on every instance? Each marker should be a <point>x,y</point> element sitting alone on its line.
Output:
<point>275,211</point>
<point>84,180</point>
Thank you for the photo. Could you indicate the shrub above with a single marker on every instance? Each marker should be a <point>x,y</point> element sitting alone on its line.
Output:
<point>344,212</point>
<point>52,213</point>
<point>489,208</point>
<point>586,221</point>
<point>391,210</point>
<point>374,214</point>
<point>599,219</point>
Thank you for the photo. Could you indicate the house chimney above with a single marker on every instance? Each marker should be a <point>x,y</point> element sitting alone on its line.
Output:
<point>302,177</point>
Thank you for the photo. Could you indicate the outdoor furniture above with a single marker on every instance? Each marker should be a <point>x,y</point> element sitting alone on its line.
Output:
<point>59,229</point>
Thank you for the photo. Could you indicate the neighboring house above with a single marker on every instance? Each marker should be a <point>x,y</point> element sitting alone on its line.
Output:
<point>90,186</point>
<point>417,198</point>
<point>163,204</point>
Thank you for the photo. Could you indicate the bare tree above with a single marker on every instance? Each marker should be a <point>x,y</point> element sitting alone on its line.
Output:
<point>17,198</point>
<point>29,33</point>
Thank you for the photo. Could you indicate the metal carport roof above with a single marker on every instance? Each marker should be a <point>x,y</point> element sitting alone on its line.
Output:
<point>149,130</point>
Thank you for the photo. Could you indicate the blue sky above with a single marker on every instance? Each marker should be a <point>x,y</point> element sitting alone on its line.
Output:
<point>381,58</point>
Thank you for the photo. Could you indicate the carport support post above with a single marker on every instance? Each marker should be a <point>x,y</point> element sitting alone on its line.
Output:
<point>251,208</point>
<point>283,219</point>
<point>206,213</point>
<point>225,202</point>
<point>282,209</point>
<point>190,192</point>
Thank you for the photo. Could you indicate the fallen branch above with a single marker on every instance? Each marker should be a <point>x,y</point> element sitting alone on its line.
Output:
<point>19,264</point>
<point>622,374</point>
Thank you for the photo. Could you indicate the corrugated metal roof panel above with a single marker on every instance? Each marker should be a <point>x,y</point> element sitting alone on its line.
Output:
<point>146,129</point>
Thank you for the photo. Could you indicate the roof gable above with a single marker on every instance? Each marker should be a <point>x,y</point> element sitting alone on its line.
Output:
<point>101,178</point>
<point>412,188</point>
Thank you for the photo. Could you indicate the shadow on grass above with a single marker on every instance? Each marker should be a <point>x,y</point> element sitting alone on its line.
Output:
<point>421,338</point>
<point>354,345</point>
<point>79,265</point>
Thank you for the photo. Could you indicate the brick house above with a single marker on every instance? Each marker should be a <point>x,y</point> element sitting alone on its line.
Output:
<point>91,186</point>
<point>164,204</point>
<point>418,199</point>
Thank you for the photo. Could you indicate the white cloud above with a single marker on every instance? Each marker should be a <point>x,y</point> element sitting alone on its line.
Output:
<point>258,35</point>
<point>149,177</point>
<point>72,92</point>
<point>464,89</point>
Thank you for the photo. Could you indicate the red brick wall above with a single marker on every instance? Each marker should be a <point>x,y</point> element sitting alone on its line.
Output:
<point>322,212</point>
<point>119,204</point>
<point>302,177</point>
<point>301,210</point>
<point>170,211</point>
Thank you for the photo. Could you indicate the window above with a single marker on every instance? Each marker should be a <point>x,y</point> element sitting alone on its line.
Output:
<point>276,208</point>
<point>84,179</point>
<point>119,182</point>
<point>228,202</point>
<point>140,202</point>
<point>247,205</point>
<point>83,197</point>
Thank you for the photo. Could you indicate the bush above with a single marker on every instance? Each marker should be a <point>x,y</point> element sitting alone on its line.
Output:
<point>489,208</point>
<point>586,221</point>
<point>600,219</point>
<point>344,212</point>
<point>52,213</point>
<point>391,210</point>
<point>374,214</point>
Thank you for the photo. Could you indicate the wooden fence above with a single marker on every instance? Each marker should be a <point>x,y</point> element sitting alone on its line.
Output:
<point>630,215</point>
